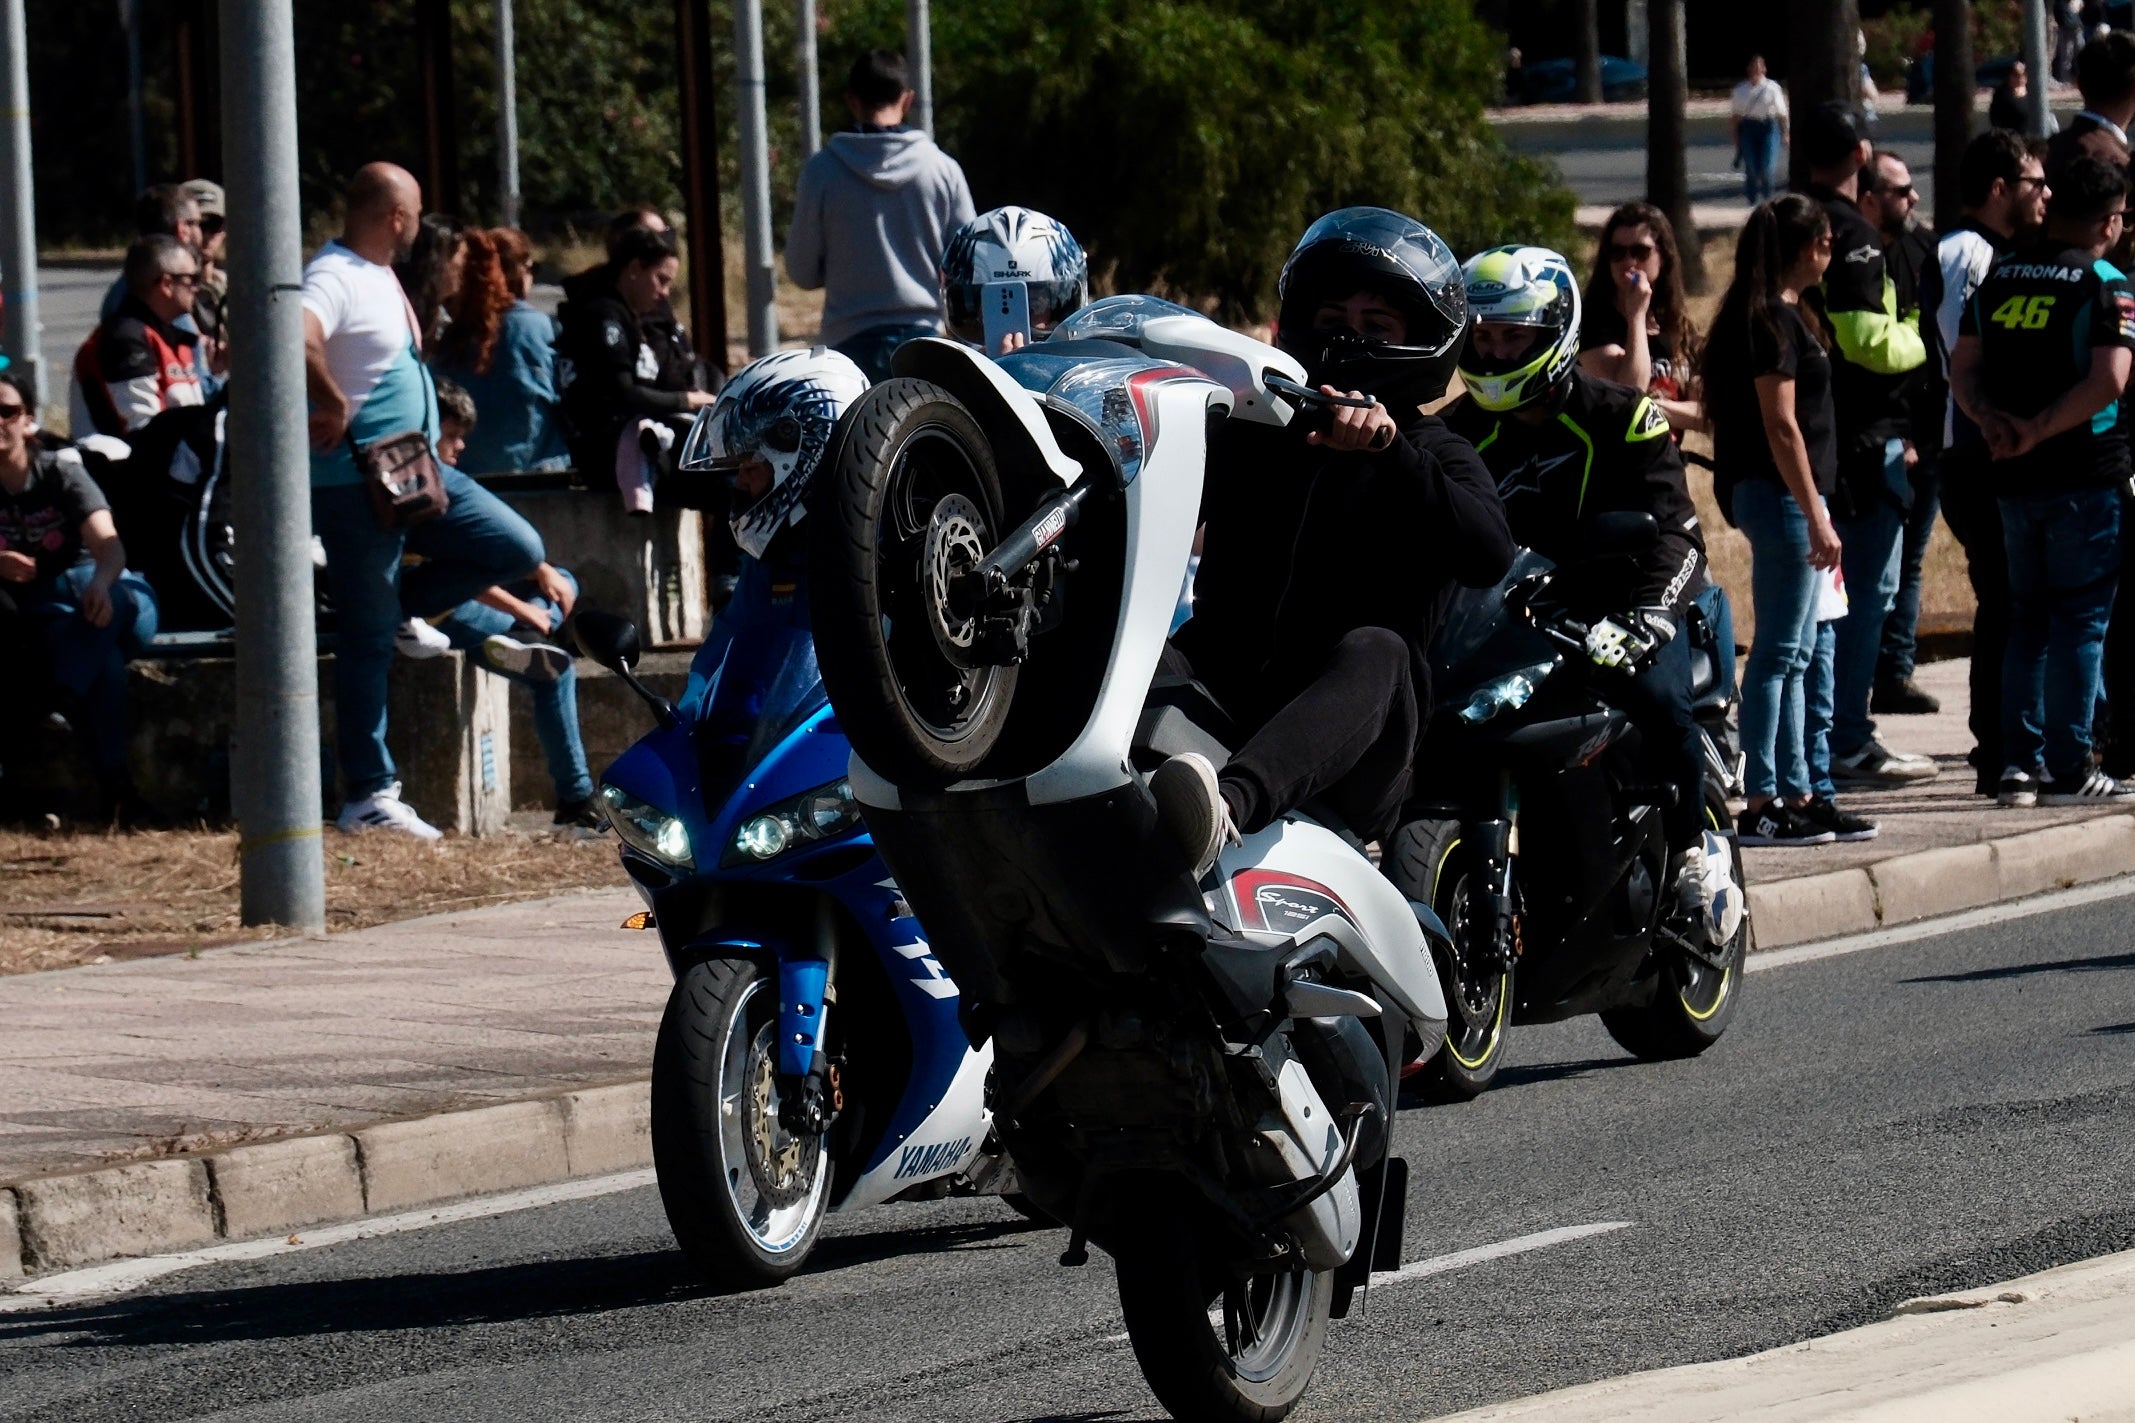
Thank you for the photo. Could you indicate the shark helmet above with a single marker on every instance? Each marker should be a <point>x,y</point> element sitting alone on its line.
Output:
<point>1522,286</point>
<point>1398,259</point>
<point>1008,245</point>
<point>780,409</point>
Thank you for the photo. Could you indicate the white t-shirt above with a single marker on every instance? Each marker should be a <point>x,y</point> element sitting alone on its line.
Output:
<point>1762,100</point>
<point>365,316</point>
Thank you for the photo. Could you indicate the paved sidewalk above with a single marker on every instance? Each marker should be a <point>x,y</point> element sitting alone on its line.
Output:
<point>1940,813</point>
<point>125,1060</point>
<point>2051,1347</point>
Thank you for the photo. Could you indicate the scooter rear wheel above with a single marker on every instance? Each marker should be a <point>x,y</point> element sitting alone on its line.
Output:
<point>744,1197</point>
<point>1255,1364</point>
<point>911,502</point>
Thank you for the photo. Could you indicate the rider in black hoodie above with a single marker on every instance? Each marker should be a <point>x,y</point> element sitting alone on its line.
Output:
<point>1329,556</point>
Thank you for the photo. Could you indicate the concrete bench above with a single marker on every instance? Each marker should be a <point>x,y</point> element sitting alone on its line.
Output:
<point>650,568</point>
<point>448,727</point>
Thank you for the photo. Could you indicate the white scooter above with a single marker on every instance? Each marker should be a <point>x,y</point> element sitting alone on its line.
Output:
<point>1200,1078</point>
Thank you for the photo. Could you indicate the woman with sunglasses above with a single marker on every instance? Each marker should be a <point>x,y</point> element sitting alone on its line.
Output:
<point>70,613</point>
<point>1636,330</point>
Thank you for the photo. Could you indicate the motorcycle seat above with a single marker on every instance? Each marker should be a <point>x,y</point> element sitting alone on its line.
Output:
<point>1702,676</point>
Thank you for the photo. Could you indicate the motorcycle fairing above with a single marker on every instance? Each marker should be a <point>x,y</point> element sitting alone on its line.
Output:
<point>1014,423</point>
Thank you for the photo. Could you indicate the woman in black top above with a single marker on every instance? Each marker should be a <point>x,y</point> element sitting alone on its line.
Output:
<point>1636,329</point>
<point>1767,376</point>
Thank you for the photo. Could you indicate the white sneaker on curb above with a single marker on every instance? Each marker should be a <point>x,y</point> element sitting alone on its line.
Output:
<point>1877,765</point>
<point>385,810</point>
<point>1192,808</point>
<point>420,639</point>
<point>533,661</point>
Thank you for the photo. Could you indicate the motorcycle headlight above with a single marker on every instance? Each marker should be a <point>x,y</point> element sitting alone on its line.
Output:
<point>647,828</point>
<point>1509,692</point>
<point>821,814</point>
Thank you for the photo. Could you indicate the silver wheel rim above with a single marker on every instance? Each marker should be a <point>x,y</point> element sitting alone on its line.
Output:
<point>1265,1321</point>
<point>754,1150</point>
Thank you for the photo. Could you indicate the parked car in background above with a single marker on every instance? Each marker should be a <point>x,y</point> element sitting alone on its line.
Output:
<point>1556,81</point>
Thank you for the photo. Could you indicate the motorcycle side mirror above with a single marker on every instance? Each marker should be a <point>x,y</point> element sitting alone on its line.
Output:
<point>1621,532</point>
<point>613,642</point>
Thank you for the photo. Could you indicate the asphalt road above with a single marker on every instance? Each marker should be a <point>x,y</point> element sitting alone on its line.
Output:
<point>1932,1115</point>
<point>1601,174</point>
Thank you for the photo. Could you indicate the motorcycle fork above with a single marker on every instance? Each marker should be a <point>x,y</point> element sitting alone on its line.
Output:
<point>810,1092</point>
<point>1493,843</point>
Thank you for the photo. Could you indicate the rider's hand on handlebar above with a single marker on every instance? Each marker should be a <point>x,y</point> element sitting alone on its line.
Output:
<point>1352,427</point>
<point>1624,642</point>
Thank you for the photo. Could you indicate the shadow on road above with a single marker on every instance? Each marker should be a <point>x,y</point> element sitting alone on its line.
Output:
<point>295,1309</point>
<point>2115,1028</point>
<point>2099,964</point>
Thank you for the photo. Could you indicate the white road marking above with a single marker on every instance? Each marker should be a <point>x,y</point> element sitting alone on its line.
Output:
<point>2075,898</point>
<point>1462,1259</point>
<point>81,1286</point>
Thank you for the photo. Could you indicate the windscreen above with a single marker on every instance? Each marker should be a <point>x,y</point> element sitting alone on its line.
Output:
<point>753,681</point>
<point>1476,613</point>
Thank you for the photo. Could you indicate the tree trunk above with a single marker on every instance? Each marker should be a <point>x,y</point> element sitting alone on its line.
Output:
<point>1587,55</point>
<point>1667,171</point>
<point>1955,121</point>
<point>1824,63</point>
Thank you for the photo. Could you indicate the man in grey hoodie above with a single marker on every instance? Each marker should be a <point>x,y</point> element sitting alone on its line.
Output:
<point>874,212</point>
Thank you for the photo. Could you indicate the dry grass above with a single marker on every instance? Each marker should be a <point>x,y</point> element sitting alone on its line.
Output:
<point>74,898</point>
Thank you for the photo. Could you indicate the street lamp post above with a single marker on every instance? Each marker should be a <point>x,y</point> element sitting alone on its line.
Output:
<point>274,771</point>
<point>507,118</point>
<point>919,58</point>
<point>804,60</point>
<point>18,225</point>
<point>755,176</point>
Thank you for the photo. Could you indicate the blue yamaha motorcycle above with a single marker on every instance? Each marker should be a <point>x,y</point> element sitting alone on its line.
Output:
<point>811,1058</point>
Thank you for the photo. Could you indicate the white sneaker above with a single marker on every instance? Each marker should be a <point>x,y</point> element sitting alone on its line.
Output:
<point>2097,789</point>
<point>528,661</point>
<point>385,810</point>
<point>420,639</point>
<point>1192,809</point>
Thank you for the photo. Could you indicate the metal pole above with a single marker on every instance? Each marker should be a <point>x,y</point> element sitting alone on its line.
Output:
<point>919,56</point>
<point>130,16</point>
<point>755,177</point>
<point>1954,117</point>
<point>2032,41</point>
<point>274,777</point>
<point>18,227</point>
<point>507,118</point>
<point>811,92</point>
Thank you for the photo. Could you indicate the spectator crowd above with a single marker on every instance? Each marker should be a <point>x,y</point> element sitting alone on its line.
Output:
<point>1861,376</point>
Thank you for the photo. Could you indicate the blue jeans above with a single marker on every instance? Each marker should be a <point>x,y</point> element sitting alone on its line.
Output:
<point>1783,598</point>
<point>871,349</point>
<point>1758,149</point>
<point>2064,563</point>
<point>1873,544</point>
<point>479,542</point>
<point>555,703</point>
<point>89,662</point>
<point>1816,700</point>
<point>1900,652</point>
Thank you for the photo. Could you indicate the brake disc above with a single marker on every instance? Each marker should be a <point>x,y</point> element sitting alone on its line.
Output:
<point>955,545</point>
<point>780,1163</point>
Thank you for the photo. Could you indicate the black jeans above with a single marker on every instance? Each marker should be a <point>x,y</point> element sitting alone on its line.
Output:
<point>2115,733</point>
<point>1975,518</point>
<point>1347,738</point>
<point>1657,699</point>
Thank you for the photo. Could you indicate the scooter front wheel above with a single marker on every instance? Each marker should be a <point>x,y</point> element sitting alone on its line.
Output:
<point>744,1196</point>
<point>911,504</point>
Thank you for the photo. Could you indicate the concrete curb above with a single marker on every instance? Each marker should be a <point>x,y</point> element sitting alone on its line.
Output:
<point>50,1223</point>
<point>269,1188</point>
<point>1945,880</point>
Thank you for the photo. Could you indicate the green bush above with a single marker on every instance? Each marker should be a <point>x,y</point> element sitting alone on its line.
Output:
<point>1188,144</point>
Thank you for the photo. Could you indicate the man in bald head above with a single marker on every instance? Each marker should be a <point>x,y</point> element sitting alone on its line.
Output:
<point>364,372</point>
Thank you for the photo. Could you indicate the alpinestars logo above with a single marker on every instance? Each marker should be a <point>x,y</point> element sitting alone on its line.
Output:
<point>1526,478</point>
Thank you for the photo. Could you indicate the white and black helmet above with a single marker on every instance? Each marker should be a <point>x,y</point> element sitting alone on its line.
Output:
<point>1012,244</point>
<point>780,409</point>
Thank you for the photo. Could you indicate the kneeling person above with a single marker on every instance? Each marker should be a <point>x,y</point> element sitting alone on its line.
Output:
<point>1566,447</point>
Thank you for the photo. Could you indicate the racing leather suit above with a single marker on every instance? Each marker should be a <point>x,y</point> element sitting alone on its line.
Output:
<point>1605,448</point>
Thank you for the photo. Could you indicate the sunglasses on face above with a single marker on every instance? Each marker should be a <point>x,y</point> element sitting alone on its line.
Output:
<point>1630,252</point>
<point>1906,190</point>
<point>2031,182</point>
<point>183,279</point>
<point>210,224</point>
<point>11,412</point>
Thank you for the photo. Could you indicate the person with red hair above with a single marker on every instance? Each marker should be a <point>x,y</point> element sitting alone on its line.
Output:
<point>501,350</point>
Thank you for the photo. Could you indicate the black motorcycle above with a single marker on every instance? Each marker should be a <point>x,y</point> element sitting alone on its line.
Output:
<point>1536,836</point>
